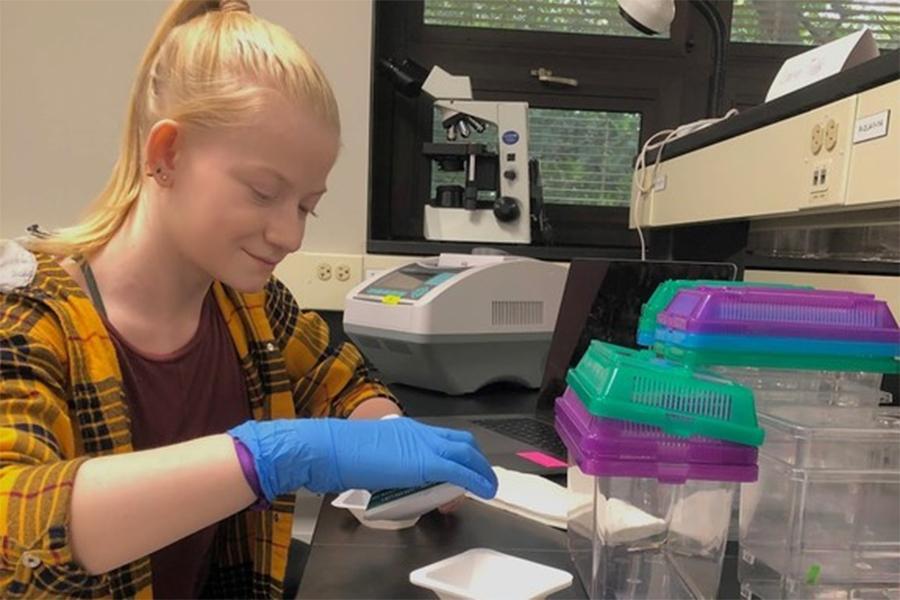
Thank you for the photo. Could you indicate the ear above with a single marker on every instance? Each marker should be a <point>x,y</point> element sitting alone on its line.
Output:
<point>160,150</point>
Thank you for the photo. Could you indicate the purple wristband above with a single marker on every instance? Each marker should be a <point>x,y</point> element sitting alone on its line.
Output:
<point>249,470</point>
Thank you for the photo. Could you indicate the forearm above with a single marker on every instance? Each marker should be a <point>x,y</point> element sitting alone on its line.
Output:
<point>375,408</point>
<point>129,505</point>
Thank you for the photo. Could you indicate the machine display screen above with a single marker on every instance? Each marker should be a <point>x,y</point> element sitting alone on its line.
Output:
<point>404,281</point>
<point>410,282</point>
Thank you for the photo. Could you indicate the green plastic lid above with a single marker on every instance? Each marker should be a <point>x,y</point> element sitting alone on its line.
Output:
<point>667,290</point>
<point>638,386</point>
<point>818,362</point>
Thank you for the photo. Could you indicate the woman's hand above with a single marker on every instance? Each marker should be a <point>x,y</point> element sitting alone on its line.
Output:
<point>333,455</point>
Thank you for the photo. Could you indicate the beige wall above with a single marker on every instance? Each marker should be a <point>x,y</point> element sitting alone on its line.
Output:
<point>66,67</point>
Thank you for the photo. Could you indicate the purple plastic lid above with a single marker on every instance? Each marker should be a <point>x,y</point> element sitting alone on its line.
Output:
<point>782,313</point>
<point>626,440</point>
<point>624,449</point>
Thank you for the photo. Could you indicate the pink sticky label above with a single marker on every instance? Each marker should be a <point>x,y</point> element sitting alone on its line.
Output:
<point>545,460</point>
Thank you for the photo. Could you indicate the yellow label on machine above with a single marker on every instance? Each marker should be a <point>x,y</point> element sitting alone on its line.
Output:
<point>390,299</point>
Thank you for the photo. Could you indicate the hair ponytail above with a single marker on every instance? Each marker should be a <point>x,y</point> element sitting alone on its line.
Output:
<point>207,64</point>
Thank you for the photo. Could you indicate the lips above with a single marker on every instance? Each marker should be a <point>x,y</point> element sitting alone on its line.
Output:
<point>265,261</point>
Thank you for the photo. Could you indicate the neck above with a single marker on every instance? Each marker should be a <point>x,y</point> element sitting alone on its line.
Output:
<point>141,272</point>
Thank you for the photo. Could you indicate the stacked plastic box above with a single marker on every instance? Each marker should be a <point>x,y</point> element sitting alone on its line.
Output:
<point>666,292</point>
<point>652,445</point>
<point>788,344</point>
<point>833,388</point>
<point>801,323</point>
<point>823,521</point>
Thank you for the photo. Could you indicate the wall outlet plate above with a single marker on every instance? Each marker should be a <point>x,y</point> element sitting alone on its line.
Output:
<point>321,281</point>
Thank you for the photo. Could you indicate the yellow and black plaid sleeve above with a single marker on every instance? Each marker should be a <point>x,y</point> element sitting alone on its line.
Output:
<point>38,459</point>
<point>327,381</point>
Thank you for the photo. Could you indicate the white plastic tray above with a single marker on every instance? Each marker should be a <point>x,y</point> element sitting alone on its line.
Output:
<point>484,574</point>
<point>356,501</point>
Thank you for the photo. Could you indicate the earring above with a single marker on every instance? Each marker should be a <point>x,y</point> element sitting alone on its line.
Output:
<point>158,171</point>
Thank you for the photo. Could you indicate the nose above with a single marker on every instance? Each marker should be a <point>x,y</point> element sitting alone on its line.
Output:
<point>285,229</point>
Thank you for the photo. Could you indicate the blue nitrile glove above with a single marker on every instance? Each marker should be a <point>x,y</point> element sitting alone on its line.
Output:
<point>333,455</point>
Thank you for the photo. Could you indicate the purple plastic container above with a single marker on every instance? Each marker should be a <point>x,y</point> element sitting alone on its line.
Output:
<point>782,313</point>
<point>609,447</point>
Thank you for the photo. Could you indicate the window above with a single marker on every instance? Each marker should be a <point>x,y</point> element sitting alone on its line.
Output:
<point>585,136</point>
<point>629,86</point>
<point>814,22</point>
<point>764,34</point>
<point>594,17</point>
<point>799,22</point>
<point>586,156</point>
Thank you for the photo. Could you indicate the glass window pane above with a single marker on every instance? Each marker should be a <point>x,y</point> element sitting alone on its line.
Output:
<point>814,22</point>
<point>585,156</point>
<point>594,17</point>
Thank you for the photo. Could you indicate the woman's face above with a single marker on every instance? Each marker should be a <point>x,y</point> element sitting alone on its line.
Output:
<point>241,196</point>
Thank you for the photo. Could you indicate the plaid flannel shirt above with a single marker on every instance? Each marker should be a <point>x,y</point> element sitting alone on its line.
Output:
<point>62,402</point>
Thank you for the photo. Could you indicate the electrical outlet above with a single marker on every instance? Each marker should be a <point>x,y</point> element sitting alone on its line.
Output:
<point>831,134</point>
<point>821,184</point>
<point>319,280</point>
<point>659,184</point>
<point>816,140</point>
<point>323,271</point>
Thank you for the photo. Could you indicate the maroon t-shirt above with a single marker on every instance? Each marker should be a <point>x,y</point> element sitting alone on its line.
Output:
<point>195,391</point>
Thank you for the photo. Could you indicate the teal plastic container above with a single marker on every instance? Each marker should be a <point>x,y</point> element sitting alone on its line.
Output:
<point>630,385</point>
<point>667,290</point>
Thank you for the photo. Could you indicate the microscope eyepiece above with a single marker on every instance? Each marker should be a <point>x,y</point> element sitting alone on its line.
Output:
<point>407,75</point>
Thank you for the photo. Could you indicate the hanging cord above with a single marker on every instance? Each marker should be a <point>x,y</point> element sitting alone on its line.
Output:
<point>639,186</point>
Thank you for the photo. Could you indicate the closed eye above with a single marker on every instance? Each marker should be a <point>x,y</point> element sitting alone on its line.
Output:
<point>310,201</point>
<point>259,195</point>
<point>306,211</point>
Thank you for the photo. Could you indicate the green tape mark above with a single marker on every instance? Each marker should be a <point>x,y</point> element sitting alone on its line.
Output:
<point>812,574</point>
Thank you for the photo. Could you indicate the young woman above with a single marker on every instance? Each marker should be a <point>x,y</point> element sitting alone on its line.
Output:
<point>155,379</point>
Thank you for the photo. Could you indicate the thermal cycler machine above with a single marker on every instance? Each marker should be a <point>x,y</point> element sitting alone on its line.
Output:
<point>456,322</point>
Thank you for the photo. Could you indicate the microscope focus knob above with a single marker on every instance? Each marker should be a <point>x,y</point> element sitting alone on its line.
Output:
<point>510,174</point>
<point>506,209</point>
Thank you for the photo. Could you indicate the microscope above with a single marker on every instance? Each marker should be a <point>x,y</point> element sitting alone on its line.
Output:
<point>456,213</point>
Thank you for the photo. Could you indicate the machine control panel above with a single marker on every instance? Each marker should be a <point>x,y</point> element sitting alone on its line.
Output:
<point>410,282</point>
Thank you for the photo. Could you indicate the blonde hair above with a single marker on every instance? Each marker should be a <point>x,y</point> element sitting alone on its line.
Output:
<point>209,64</point>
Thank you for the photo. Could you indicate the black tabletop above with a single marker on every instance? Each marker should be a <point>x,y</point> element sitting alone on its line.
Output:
<point>493,399</point>
<point>349,560</point>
